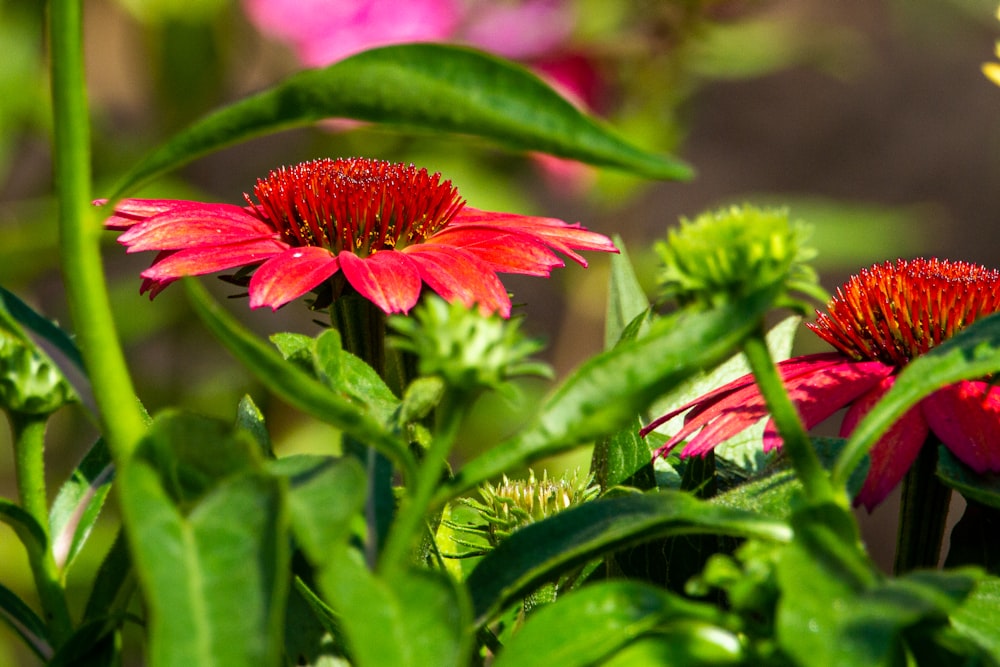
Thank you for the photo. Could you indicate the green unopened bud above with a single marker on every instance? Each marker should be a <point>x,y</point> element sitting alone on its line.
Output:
<point>515,503</point>
<point>29,382</point>
<point>467,350</point>
<point>728,254</point>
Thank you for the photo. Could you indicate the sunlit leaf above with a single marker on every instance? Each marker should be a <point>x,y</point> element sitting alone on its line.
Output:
<point>425,87</point>
<point>78,504</point>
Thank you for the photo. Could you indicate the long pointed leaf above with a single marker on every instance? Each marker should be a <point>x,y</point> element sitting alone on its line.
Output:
<point>25,622</point>
<point>541,551</point>
<point>429,87</point>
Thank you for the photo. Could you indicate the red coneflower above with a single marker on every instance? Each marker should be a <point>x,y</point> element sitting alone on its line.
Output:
<point>384,228</point>
<point>878,321</point>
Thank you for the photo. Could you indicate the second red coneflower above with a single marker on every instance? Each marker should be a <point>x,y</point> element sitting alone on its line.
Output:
<point>878,321</point>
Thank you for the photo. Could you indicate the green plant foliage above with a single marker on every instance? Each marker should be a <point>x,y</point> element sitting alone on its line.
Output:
<point>78,504</point>
<point>416,87</point>
<point>541,551</point>
<point>634,373</point>
<point>595,623</point>
<point>410,617</point>
<point>208,535</point>
<point>296,386</point>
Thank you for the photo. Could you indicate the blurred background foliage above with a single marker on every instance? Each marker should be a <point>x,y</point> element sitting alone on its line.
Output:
<point>871,121</point>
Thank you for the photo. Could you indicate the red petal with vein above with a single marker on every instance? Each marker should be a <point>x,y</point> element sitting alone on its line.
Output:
<point>894,452</point>
<point>198,261</point>
<point>825,393</point>
<point>505,251</point>
<point>290,275</point>
<point>388,279</point>
<point>966,416</point>
<point>460,276</point>
<point>554,232</point>
<point>196,225</point>
<point>130,211</point>
<point>789,370</point>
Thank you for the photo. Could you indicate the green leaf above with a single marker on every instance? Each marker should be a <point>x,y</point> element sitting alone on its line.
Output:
<point>427,87</point>
<point>972,353</point>
<point>250,420</point>
<point>978,617</point>
<point>30,533</point>
<point>541,551</point>
<point>408,618</point>
<point>193,453</point>
<point>13,307</point>
<point>297,387</point>
<point>590,625</point>
<point>983,488</point>
<point>836,609</point>
<point>78,504</point>
<point>25,622</point>
<point>325,495</point>
<point>626,299</point>
<point>346,372</point>
<point>633,373</point>
<point>973,540</point>
<point>624,459</point>
<point>214,581</point>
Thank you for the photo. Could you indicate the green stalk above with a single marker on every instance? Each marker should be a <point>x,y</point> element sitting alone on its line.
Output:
<point>79,235</point>
<point>413,510</point>
<point>29,462</point>
<point>923,512</point>
<point>796,444</point>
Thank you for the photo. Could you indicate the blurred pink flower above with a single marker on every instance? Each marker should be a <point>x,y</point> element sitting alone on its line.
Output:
<point>322,32</point>
<point>385,229</point>
<point>535,32</point>
<point>879,321</point>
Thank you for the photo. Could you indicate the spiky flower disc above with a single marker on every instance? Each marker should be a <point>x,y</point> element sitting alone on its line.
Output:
<point>896,311</point>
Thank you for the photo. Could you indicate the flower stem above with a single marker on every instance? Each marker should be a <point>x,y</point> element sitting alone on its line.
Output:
<point>29,462</point>
<point>923,512</point>
<point>415,506</point>
<point>79,235</point>
<point>796,443</point>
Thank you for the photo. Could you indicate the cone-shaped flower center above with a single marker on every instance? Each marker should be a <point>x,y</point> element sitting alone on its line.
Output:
<point>355,204</point>
<point>893,312</point>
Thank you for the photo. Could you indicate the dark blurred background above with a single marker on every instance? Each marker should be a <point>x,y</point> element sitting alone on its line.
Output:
<point>869,120</point>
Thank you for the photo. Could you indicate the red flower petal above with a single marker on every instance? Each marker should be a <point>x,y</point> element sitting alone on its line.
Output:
<point>388,279</point>
<point>894,452</point>
<point>505,251</point>
<point>822,394</point>
<point>966,416</point>
<point>130,211</point>
<point>460,276</point>
<point>290,275</point>
<point>198,261</point>
<point>194,225</point>
<point>553,232</point>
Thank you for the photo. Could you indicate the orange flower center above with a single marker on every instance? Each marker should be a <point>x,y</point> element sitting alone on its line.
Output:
<point>893,312</point>
<point>355,204</point>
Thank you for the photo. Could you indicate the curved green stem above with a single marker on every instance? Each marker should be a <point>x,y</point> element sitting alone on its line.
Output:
<point>79,235</point>
<point>796,444</point>
<point>416,505</point>
<point>29,462</point>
